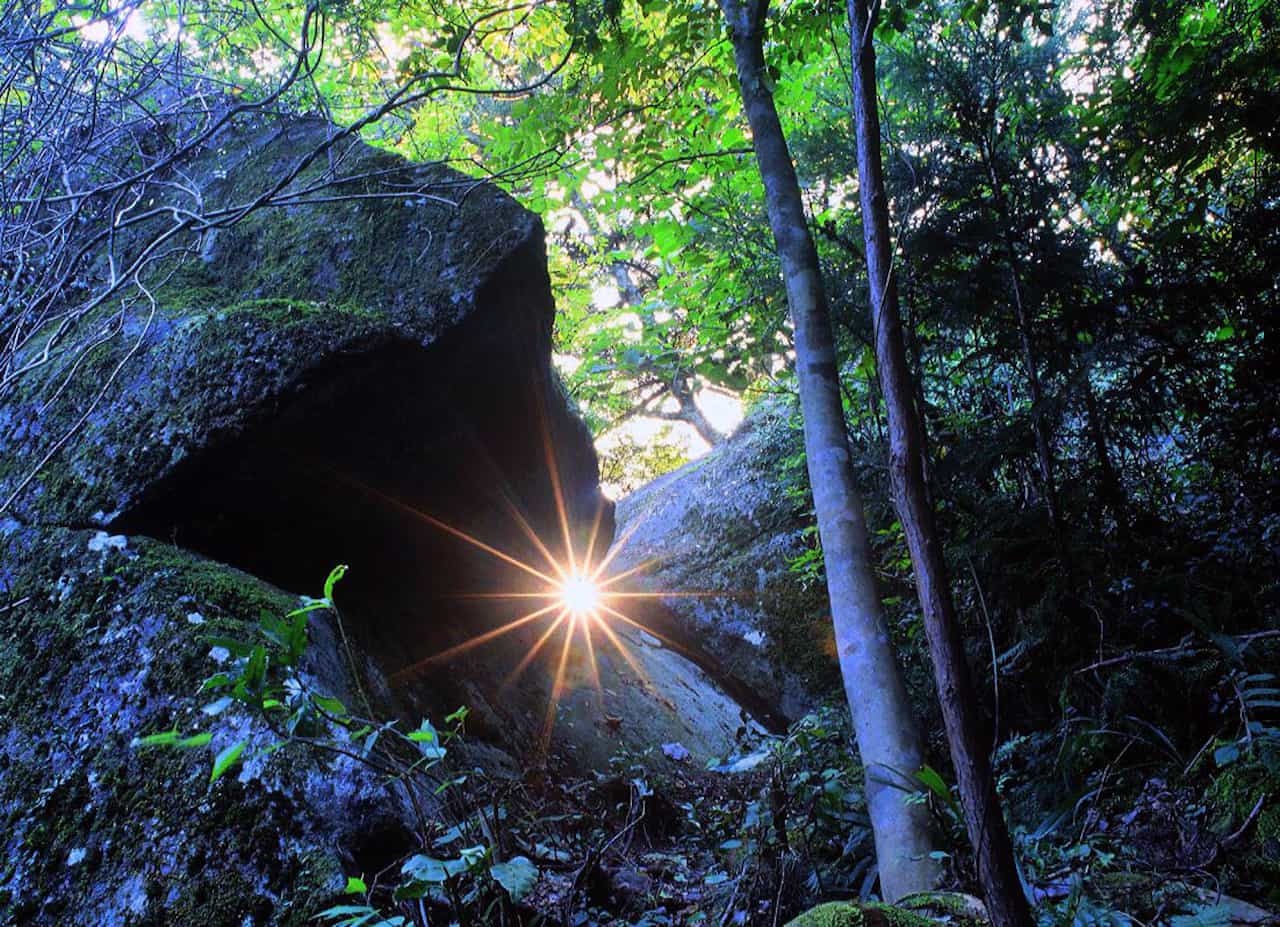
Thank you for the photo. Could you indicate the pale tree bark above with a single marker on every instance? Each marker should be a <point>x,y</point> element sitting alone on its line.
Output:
<point>888,739</point>
<point>997,869</point>
<point>691,412</point>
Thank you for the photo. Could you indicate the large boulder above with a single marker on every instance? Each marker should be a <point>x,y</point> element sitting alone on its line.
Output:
<point>720,536</point>
<point>103,640</point>
<point>358,374</point>
<point>424,292</point>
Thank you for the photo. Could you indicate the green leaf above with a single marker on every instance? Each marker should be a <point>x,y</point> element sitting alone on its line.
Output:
<point>1226,754</point>
<point>226,759</point>
<point>428,740</point>
<point>216,681</point>
<point>422,868</point>
<point>517,875</point>
<point>234,647</point>
<point>173,739</point>
<point>1218,915</point>
<point>931,780</point>
<point>358,915</point>
<point>331,706</point>
<point>335,575</point>
<point>355,886</point>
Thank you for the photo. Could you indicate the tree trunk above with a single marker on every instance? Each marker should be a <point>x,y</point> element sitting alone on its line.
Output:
<point>997,869</point>
<point>1112,491</point>
<point>887,736</point>
<point>691,412</point>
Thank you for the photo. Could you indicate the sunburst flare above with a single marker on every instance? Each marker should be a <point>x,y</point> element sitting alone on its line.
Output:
<point>572,590</point>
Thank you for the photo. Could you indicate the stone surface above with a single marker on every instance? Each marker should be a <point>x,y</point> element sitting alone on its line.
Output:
<point>264,314</point>
<point>103,640</point>
<point>365,381</point>
<point>727,527</point>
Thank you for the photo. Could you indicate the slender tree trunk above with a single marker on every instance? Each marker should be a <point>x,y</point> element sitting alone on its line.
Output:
<point>888,739</point>
<point>997,869</point>
<point>1112,491</point>
<point>691,412</point>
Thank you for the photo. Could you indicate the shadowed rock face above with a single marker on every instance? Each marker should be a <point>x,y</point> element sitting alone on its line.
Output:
<point>325,383</point>
<point>318,378</point>
<point>726,527</point>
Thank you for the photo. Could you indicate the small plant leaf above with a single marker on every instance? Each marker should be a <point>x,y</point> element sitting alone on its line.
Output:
<point>225,760</point>
<point>517,875</point>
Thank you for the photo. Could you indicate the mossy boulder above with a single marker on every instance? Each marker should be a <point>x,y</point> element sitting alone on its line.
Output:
<point>104,639</point>
<point>1238,791</point>
<point>851,914</point>
<point>728,527</point>
<point>362,251</point>
<point>919,910</point>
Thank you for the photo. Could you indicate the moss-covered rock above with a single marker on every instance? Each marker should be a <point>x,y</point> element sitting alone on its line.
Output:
<point>103,640</point>
<point>1232,797</point>
<point>850,914</point>
<point>386,253</point>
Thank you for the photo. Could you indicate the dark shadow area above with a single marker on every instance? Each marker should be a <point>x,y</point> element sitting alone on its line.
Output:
<point>368,461</point>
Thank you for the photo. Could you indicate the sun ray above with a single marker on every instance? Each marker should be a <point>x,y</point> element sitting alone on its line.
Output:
<point>557,687</point>
<point>578,590</point>
<point>591,662</point>
<point>618,546</point>
<point>474,641</point>
<point>670,595</point>
<point>450,529</point>
<point>618,577</point>
<point>623,650</point>
<point>673,644</point>
<point>510,500</point>
<point>533,652</point>
<point>546,594</point>
<point>553,471</point>
<point>532,535</point>
<point>592,537</point>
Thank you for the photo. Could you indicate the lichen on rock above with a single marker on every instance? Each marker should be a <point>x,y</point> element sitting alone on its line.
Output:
<point>106,642</point>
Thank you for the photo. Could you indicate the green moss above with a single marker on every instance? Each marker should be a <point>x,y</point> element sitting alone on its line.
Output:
<point>106,796</point>
<point>847,914</point>
<point>228,899</point>
<point>186,285</point>
<point>291,311</point>
<point>236,594</point>
<point>319,879</point>
<point>957,907</point>
<point>1231,797</point>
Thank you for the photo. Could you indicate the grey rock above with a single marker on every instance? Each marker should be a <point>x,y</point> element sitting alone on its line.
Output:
<point>726,528</point>
<point>362,380</point>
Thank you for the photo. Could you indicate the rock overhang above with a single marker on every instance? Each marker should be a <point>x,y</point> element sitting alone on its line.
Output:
<point>342,376</point>
<point>357,381</point>
<point>300,397</point>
